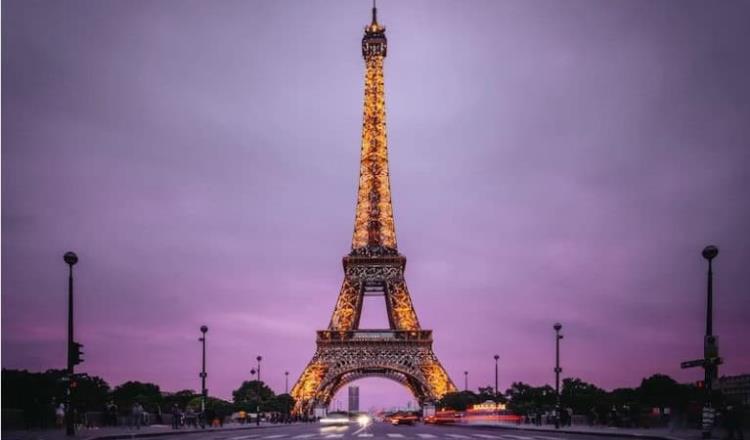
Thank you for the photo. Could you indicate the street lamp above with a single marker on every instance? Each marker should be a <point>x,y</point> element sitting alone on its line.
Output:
<point>70,259</point>
<point>710,345</point>
<point>257,402</point>
<point>558,370</point>
<point>204,391</point>
<point>258,358</point>
<point>496,390</point>
<point>466,381</point>
<point>286,382</point>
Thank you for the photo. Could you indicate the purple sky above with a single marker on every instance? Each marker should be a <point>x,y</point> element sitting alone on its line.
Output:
<point>550,161</point>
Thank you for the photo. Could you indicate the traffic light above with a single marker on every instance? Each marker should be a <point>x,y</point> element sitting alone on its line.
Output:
<point>75,353</point>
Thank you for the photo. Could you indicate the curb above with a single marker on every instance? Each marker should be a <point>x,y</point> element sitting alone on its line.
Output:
<point>173,432</point>
<point>576,432</point>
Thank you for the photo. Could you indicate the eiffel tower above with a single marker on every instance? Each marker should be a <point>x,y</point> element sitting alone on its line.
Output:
<point>374,266</point>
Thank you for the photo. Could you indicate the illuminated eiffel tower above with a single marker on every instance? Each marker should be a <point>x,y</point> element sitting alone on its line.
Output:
<point>345,352</point>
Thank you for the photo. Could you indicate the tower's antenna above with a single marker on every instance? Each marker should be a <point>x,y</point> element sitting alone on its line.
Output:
<point>374,11</point>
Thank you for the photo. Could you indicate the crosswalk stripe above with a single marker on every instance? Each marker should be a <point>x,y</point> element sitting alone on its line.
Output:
<point>334,435</point>
<point>489,436</point>
<point>365,434</point>
<point>426,435</point>
<point>393,435</point>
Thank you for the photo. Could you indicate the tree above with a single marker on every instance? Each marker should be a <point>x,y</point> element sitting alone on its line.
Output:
<point>582,397</point>
<point>458,401</point>
<point>90,393</point>
<point>247,395</point>
<point>661,391</point>
<point>180,398</point>
<point>220,407</point>
<point>283,403</point>
<point>147,394</point>
<point>486,393</point>
<point>525,399</point>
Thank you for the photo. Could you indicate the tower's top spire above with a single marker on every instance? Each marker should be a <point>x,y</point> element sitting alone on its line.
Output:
<point>374,41</point>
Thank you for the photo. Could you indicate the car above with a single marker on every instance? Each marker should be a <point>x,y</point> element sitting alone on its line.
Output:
<point>442,418</point>
<point>335,419</point>
<point>403,419</point>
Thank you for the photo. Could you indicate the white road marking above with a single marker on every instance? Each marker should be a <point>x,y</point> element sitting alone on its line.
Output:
<point>546,438</point>
<point>426,435</point>
<point>334,435</point>
<point>311,435</point>
<point>457,436</point>
<point>365,434</point>
<point>394,435</point>
<point>517,437</point>
<point>243,437</point>
<point>491,436</point>
<point>275,436</point>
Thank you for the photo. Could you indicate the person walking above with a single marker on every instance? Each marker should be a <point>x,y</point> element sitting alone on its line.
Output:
<point>60,415</point>
<point>176,416</point>
<point>733,422</point>
<point>137,413</point>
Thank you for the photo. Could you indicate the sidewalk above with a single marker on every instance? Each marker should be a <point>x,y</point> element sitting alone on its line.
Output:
<point>114,433</point>
<point>642,433</point>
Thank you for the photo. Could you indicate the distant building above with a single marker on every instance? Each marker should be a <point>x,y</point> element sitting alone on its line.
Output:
<point>736,388</point>
<point>353,399</point>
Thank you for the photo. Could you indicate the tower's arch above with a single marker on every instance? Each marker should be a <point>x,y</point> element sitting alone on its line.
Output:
<point>407,379</point>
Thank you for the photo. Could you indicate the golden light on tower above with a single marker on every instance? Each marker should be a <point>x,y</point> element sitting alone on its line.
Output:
<point>345,352</point>
<point>373,220</point>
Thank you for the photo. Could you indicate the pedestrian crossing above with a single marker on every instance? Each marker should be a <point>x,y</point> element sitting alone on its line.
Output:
<point>409,435</point>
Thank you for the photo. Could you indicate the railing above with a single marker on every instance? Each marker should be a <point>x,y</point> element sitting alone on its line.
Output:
<point>375,335</point>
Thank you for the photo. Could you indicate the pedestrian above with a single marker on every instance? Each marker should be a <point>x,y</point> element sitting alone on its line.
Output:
<point>60,415</point>
<point>137,413</point>
<point>733,422</point>
<point>176,416</point>
<point>191,419</point>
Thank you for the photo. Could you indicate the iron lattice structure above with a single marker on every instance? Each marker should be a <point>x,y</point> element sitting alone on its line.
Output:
<point>345,352</point>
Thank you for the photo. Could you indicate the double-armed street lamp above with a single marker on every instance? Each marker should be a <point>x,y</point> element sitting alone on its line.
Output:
<point>497,357</point>
<point>74,348</point>
<point>558,370</point>
<point>466,381</point>
<point>204,391</point>
<point>286,382</point>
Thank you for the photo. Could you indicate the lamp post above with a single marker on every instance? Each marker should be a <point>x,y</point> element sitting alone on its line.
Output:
<point>70,259</point>
<point>204,391</point>
<point>558,370</point>
<point>496,389</point>
<point>257,397</point>
<point>258,358</point>
<point>466,381</point>
<point>710,345</point>
<point>286,382</point>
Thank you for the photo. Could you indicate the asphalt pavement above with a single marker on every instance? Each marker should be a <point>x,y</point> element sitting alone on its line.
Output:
<point>377,431</point>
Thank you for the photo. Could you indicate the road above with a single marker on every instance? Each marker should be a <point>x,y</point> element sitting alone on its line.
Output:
<point>378,431</point>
